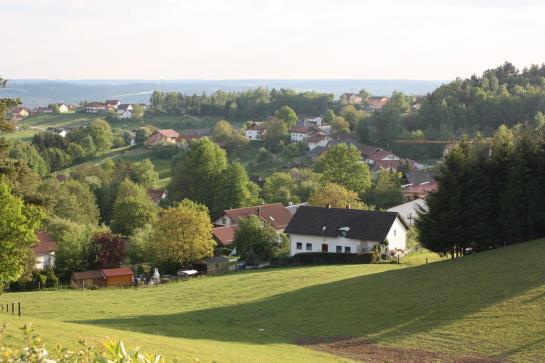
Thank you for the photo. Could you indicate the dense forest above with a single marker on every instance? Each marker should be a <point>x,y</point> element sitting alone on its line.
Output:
<point>256,104</point>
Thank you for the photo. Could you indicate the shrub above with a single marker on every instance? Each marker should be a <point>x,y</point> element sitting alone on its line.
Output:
<point>111,351</point>
<point>319,258</point>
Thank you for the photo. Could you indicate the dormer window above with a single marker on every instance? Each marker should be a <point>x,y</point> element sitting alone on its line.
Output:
<point>343,231</point>
<point>324,228</point>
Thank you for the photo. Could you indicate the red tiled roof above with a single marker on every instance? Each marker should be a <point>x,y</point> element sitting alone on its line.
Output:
<point>169,133</point>
<point>379,154</point>
<point>275,214</point>
<point>377,101</point>
<point>45,245</point>
<point>156,194</point>
<point>256,126</point>
<point>300,129</point>
<point>316,138</point>
<point>113,272</point>
<point>224,235</point>
<point>392,164</point>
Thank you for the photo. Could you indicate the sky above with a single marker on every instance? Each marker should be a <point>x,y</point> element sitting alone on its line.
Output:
<point>273,39</point>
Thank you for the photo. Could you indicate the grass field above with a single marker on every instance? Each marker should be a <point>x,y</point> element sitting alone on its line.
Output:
<point>491,304</point>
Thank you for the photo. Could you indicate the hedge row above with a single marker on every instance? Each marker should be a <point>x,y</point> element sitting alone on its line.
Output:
<point>321,258</point>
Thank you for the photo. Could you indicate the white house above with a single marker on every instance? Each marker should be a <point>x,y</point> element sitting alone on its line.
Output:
<point>316,121</point>
<point>63,108</point>
<point>256,131</point>
<point>299,132</point>
<point>408,211</point>
<point>275,214</point>
<point>318,139</point>
<point>124,111</point>
<point>338,230</point>
<point>44,251</point>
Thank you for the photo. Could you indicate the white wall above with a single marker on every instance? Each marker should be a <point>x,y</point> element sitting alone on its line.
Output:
<point>356,246</point>
<point>397,236</point>
<point>220,221</point>
<point>43,261</point>
<point>253,134</point>
<point>297,136</point>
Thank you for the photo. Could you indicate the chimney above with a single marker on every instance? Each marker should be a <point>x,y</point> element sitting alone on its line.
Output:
<point>348,206</point>
<point>328,206</point>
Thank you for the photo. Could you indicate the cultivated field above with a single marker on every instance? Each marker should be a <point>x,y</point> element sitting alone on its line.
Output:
<point>489,306</point>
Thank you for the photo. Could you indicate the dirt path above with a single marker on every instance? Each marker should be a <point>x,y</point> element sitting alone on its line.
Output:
<point>367,351</point>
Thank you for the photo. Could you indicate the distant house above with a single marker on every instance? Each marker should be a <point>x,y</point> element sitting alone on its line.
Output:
<point>376,103</point>
<point>338,230</point>
<point>313,122</point>
<point>157,195</point>
<point>124,111</point>
<point>95,107</point>
<point>352,98</point>
<point>419,184</point>
<point>408,211</point>
<point>62,107</point>
<point>417,103</point>
<point>62,133</point>
<point>299,132</point>
<point>224,236</point>
<point>318,139</point>
<point>112,104</point>
<point>276,215</point>
<point>20,113</point>
<point>120,277</point>
<point>45,251</point>
<point>188,138</point>
<point>163,137</point>
<point>256,131</point>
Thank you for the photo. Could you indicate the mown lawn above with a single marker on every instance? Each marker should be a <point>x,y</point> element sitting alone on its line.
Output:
<point>491,304</point>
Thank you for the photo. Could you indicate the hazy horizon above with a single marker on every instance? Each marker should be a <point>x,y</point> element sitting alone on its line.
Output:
<point>281,39</point>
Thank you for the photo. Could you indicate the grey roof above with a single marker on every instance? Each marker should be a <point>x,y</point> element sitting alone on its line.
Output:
<point>419,177</point>
<point>317,151</point>
<point>364,225</point>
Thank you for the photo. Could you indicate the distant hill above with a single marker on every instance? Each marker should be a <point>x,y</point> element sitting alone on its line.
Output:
<point>43,92</point>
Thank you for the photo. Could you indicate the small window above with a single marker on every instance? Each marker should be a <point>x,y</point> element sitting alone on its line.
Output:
<point>224,221</point>
<point>299,245</point>
<point>347,250</point>
<point>339,249</point>
<point>309,246</point>
<point>395,231</point>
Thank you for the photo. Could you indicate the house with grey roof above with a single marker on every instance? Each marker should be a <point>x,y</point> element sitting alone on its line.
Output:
<point>344,230</point>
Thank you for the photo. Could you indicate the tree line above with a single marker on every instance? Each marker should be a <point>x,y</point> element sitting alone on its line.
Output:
<point>489,195</point>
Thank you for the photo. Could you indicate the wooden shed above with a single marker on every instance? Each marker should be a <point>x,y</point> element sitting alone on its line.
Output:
<point>118,276</point>
<point>213,265</point>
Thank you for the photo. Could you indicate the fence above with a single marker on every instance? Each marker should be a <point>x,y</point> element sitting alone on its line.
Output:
<point>11,307</point>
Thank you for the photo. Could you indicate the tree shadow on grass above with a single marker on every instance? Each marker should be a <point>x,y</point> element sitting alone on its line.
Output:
<point>382,307</point>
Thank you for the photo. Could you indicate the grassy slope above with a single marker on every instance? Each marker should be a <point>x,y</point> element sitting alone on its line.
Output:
<point>489,304</point>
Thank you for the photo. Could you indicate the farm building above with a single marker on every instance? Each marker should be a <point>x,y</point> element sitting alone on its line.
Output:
<point>163,137</point>
<point>213,265</point>
<point>113,277</point>
<point>45,251</point>
<point>338,230</point>
<point>274,214</point>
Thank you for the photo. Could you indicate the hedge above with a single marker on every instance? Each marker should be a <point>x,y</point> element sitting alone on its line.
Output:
<point>322,258</point>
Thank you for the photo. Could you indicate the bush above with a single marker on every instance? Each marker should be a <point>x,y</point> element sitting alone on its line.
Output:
<point>319,258</point>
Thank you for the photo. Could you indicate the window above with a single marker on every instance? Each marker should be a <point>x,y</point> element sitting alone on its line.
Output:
<point>339,249</point>
<point>309,246</point>
<point>299,245</point>
<point>395,231</point>
<point>224,221</point>
<point>347,249</point>
<point>343,231</point>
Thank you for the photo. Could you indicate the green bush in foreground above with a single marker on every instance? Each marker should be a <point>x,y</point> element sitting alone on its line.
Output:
<point>34,350</point>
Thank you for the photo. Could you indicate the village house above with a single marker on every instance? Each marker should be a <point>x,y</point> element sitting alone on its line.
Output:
<point>110,277</point>
<point>19,113</point>
<point>124,111</point>
<point>313,122</point>
<point>62,107</point>
<point>112,104</point>
<point>168,136</point>
<point>408,211</point>
<point>216,264</point>
<point>344,230</point>
<point>419,184</point>
<point>95,107</point>
<point>224,236</point>
<point>376,103</point>
<point>318,139</point>
<point>299,132</point>
<point>44,251</point>
<point>276,215</point>
<point>256,131</point>
<point>352,98</point>
<point>157,195</point>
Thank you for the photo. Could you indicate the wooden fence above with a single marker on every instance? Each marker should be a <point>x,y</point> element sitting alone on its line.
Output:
<point>13,308</point>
